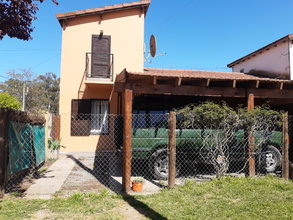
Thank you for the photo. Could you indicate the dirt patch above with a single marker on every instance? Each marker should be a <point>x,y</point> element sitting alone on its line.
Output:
<point>128,212</point>
<point>18,186</point>
<point>42,214</point>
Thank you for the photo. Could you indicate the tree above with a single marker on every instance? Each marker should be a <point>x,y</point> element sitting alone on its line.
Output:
<point>16,17</point>
<point>48,86</point>
<point>262,119</point>
<point>218,124</point>
<point>41,93</point>
<point>7,101</point>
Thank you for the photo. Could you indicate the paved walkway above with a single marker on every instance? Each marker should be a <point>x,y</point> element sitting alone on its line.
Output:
<point>44,188</point>
<point>81,172</point>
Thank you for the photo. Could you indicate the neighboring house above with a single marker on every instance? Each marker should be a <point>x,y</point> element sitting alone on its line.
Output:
<point>274,60</point>
<point>97,44</point>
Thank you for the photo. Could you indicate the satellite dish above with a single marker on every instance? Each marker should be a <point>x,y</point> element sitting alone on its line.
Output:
<point>153,46</point>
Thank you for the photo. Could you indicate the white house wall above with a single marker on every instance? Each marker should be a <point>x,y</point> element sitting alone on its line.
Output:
<point>275,60</point>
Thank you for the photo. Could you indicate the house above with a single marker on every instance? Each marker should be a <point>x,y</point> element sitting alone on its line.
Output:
<point>97,44</point>
<point>102,75</point>
<point>273,60</point>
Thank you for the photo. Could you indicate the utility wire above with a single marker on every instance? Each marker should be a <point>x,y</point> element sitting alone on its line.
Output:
<point>46,60</point>
<point>173,15</point>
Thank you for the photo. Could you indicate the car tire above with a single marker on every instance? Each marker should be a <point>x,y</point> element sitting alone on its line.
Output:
<point>269,159</point>
<point>159,164</point>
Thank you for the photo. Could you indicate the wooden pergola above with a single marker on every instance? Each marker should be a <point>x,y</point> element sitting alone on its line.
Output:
<point>193,83</point>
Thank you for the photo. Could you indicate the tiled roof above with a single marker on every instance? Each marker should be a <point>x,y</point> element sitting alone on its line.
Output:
<point>143,3</point>
<point>259,51</point>
<point>202,83</point>
<point>201,74</point>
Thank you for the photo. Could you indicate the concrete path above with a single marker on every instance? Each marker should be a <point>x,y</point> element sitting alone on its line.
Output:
<point>75,172</point>
<point>44,188</point>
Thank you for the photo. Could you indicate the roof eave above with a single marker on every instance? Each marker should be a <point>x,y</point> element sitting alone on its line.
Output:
<point>267,47</point>
<point>143,4</point>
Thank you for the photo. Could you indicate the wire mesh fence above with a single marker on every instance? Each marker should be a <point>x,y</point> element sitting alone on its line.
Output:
<point>203,151</point>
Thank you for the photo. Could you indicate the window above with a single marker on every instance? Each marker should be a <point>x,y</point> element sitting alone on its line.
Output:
<point>89,117</point>
<point>99,119</point>
<point>101,49</point>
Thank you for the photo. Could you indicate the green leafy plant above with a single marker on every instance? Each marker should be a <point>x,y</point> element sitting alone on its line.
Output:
<point>54,145</point>
<point>138,180</point>
<point>211,113</point>
<point>7,101</point>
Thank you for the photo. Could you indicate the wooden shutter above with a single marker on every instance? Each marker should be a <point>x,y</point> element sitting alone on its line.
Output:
<point>80,117</point>
<point>101,56</point>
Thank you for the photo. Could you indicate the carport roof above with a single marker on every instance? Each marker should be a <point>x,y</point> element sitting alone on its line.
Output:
<point>197,74</point>
<point>202,83</point>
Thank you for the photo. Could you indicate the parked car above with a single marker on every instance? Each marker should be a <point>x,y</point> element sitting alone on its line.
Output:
<point>198,146</point>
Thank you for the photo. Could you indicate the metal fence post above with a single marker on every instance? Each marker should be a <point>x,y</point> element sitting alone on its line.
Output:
<point>172,149</point>
<point>285,148</point>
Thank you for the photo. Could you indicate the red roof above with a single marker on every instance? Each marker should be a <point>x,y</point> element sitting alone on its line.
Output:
<point>100,10</point>
<point>201,74</point>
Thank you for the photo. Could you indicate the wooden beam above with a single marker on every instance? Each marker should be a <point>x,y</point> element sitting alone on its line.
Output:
<point>178,81</point>
<point>154,80</point>
<point>127,135</point>
<point>122,77</point>
<point>234,83</point>
<point>208,82</point>
<point>189,90</point>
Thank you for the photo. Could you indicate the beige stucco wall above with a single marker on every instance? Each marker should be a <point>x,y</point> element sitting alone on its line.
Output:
<point>126,28</point>
<point>275,60</point>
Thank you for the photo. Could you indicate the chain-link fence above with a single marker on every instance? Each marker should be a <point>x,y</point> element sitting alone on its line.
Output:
<point>203,151</point>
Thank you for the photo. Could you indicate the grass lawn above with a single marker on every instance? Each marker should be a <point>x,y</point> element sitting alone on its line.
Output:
<point>227,198</point>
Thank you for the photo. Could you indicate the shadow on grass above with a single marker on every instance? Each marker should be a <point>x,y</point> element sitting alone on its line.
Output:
<point>102,173</point>
<point>142,208</point>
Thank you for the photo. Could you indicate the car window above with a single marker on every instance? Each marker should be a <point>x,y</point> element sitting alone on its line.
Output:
<point>149,119</point>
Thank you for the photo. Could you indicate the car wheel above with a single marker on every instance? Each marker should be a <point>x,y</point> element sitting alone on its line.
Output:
<point>159,164</point>
<point>269,159</point>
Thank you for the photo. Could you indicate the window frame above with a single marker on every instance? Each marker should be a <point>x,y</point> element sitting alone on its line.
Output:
<point>82,116</point>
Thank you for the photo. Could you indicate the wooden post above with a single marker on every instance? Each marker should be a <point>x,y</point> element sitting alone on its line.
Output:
<point>127,135</point>
<point>172,150</point>
<point>56,123</point>
<point>251,156</point>
<point>3,148</point>
<point>285,148</point>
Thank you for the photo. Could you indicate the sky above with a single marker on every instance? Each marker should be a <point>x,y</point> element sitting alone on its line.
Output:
<point>190,34</point>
